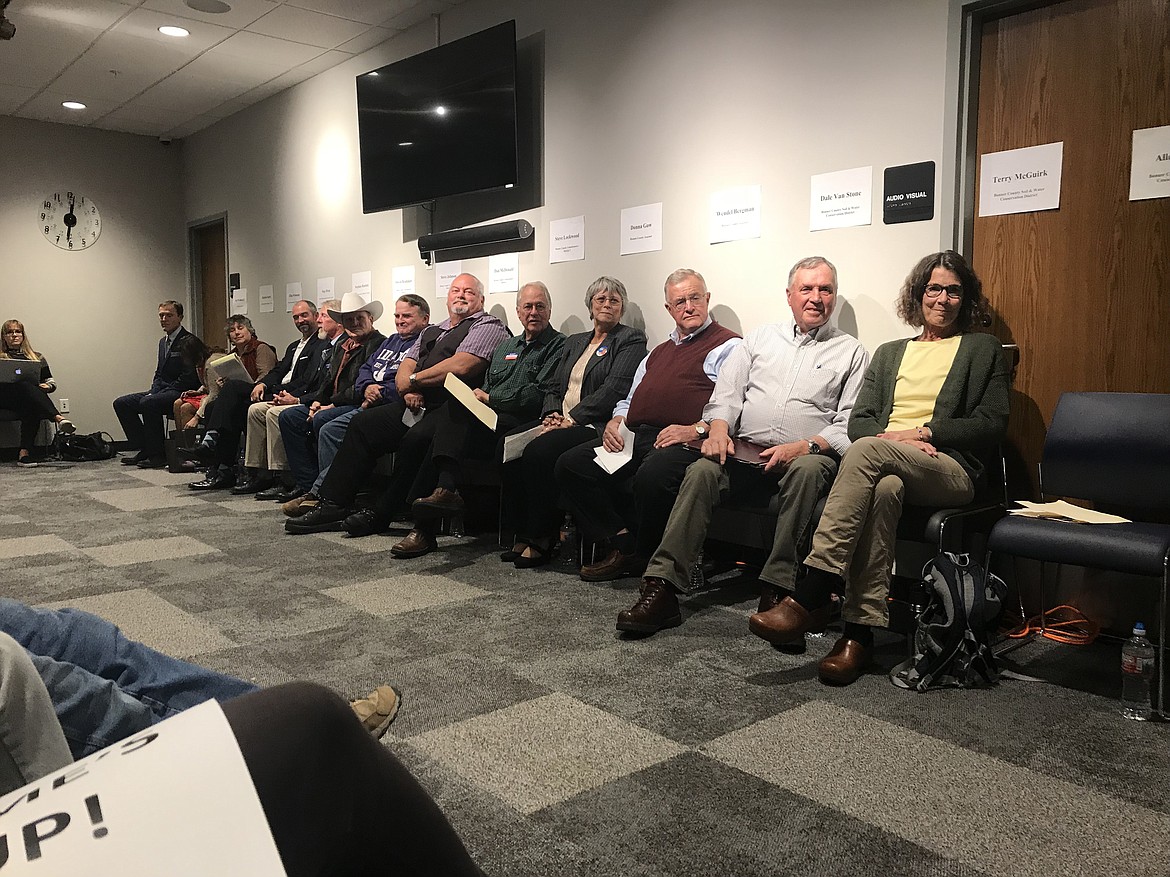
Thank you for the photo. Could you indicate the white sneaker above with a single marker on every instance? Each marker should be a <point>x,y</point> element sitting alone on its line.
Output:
<point>66,426</point>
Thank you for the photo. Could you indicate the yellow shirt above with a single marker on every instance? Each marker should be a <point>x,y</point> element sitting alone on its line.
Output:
<point>925,366</point>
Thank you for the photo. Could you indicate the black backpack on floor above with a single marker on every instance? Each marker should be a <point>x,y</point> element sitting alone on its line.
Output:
<point>951,647</point>
<point>84,448</point>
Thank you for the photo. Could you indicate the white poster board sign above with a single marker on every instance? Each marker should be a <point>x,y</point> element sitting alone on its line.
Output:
<point>239,301</point>
<point>1020,180</point>
<point>403,280</point>
<point>362,282</point>
<point>841,199</point>
<point>176,799</point>
<point>445,274</point>
<point>266,300</point>
<point>566,240</point>
<point>324,290</point>
<point>735,214</point>
<point>641,229</point>
<point>504,273</point>
<point>1149,169</point>
<point>292,295</point>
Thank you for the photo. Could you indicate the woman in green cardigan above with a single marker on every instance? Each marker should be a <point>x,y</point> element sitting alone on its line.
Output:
<point>928,406</point>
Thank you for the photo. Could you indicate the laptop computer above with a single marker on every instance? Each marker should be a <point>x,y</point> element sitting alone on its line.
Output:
<point>13,370</point>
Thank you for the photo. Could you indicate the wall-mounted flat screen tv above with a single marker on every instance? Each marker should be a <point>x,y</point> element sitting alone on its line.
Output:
<point>439,123</point>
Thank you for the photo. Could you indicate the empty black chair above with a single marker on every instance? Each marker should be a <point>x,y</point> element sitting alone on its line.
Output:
<point>1112,449</point>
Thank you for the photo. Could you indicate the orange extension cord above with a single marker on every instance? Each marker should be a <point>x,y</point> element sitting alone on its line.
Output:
<point>1062,624</point>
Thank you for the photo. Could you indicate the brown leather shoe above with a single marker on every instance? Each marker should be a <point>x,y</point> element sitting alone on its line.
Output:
<point>656,609</point>
<point>303,504</point>
<point>614,565</point>
<point>416,544</point>
<point>845,664</point>
<point>439,504</point>
<point>770,597</point>
<point>787,622</point>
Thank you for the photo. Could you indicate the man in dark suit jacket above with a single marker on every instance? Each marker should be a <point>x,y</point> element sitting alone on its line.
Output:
<point>142,414</point>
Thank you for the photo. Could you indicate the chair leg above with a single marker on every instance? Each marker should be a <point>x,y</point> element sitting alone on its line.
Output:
<point>1161,710</point>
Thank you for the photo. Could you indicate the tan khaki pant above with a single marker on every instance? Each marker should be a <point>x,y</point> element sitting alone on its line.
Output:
<point>263,447</point>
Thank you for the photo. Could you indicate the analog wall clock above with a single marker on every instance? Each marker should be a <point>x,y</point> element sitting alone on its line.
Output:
<point>69,221</point>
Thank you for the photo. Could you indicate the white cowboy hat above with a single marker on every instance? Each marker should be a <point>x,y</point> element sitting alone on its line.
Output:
<point>351,303</point>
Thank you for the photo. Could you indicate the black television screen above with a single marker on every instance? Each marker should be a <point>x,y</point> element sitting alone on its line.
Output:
<point>442,122</point>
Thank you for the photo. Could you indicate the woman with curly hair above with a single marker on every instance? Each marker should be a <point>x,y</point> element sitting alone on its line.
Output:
<point>927,407</point>
<point>28,398</point>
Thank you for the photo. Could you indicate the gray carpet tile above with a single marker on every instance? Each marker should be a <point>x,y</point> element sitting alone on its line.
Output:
<point>559,747</point>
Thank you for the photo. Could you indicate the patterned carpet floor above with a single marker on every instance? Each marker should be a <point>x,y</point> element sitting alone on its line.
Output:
<point>559,748</point>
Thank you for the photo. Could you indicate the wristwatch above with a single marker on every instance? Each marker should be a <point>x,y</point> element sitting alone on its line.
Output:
<point>412,379</point>
<point>701,430</point>
<point>813,447</point>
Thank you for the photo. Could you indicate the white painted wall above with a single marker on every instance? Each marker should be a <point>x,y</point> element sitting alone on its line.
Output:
<point>644,101</point>
<point>93,313</point>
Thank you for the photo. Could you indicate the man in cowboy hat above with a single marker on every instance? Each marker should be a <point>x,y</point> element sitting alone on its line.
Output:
<point>461,345</point>
<point>337,394</point>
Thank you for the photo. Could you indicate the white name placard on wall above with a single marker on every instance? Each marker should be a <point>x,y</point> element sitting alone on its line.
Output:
<point>841,199</point>
<point>566,240</point>
<point>324,290</point>
<point>1149,170</point>
<point>362,284</point>
<point>403,280</point>
<point>1020,180</point>
<point>239,301</point>
<point>445,274</point>
<point>641,229</point>
<point>504,273</point>
<point>267,304</point>
<point>735,214</point>
<point>292,295</point>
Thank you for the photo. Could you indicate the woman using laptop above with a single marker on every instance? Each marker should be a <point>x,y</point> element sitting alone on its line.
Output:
<point>26,392</point>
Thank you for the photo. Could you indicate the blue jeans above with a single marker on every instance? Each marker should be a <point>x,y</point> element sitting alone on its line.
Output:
<point>299,435</point>
<point>329,438</point>
<point>104,686</point>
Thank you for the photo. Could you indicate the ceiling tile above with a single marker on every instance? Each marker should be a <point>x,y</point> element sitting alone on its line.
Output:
<point>365,11</point>
<point>393,8</point>
<point>303,26</point>
<point>12,96</point>
<point>93,14</point>
<point>144,24</point>
<point>242,13</point>
<point>324,62</point>
<point>42,48</point>
<point>417,13</point>
<point>375,36</point>
<point>190,93</point>
<point>275,51</point>
<point>47,106</point>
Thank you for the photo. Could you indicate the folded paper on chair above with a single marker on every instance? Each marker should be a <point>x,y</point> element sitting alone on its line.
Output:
<point>1065,511</point>
<point>746,452</point>
<point>514,445</point>
<point>466,397</point>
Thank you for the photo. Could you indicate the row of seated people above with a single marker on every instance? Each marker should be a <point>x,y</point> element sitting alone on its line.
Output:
<point>24,393</point>
<point>907,427</point>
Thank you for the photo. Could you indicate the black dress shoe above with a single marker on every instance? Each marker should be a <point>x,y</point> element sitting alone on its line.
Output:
<point>656,609</point>
<point>274,491</point>
<point>327,517</point>
<point>288,494</point>
<point>214,481</point>
<point>365,522</point>
<point>133,459</point>
<point>152,463</point>
<point>253,485</point>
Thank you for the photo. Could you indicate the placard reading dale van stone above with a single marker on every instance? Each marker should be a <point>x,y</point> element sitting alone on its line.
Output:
<point>641,229</point>
<point>735,214</point>
<point>908,193</point>
<point>1020,180</point>
<point>1149,169</point>
<point>176,799</point>
<point>566,240</point>
<point>841,199</point>
<point>292,295</point>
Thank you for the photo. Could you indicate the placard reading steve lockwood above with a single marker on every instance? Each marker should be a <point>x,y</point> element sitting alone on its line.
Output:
<point>566,240</point>
<point>1020,180</point>
<point>174,800</point>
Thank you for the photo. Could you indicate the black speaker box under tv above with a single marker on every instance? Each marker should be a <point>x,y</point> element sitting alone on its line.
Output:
<point>442,122</point>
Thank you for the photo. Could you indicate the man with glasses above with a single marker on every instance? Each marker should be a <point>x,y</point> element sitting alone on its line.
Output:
<point>461,345</point>
<point>664,411</point>
<point>788,389</point>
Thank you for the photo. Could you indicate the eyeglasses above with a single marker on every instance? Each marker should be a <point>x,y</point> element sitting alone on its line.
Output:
<point>693,299</point>
<point>606,299</point>
<point>934,290</point>
<point>534,306</point>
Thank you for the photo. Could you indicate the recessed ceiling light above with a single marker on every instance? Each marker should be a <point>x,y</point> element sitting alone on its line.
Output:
<point>170,30</point>
<point>440,111</point>
<point>73,105</point>
<point>406,143</point>
<point>215,7</point>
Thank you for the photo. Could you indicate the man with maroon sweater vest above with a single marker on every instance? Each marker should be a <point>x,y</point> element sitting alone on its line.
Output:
<point>664,410</point>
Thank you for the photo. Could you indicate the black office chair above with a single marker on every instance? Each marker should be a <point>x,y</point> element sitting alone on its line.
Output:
<point>1112,449</point>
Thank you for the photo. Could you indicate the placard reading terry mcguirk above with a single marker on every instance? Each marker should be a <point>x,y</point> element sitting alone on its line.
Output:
<point>1020,180</point>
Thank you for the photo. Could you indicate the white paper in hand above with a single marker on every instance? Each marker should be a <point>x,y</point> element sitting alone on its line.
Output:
<point>611,461</point>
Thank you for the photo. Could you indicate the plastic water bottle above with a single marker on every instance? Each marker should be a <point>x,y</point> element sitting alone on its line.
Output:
<point>570,544</point>
<point>1137,670</point>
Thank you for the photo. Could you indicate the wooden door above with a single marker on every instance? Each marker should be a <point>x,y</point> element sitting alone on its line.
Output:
<point>1083,290</point>
<point>211,245</point>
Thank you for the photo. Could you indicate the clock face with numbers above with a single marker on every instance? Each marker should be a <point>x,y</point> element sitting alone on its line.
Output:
<point>69,221</point>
